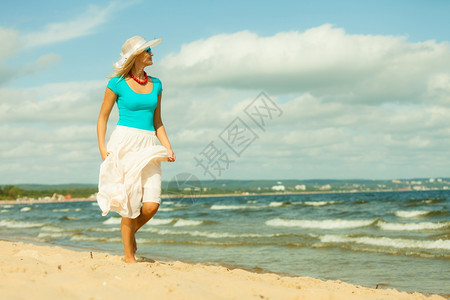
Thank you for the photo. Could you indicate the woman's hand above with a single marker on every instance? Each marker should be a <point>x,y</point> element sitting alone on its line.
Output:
<point>171,155</point>
<point>104,155</point>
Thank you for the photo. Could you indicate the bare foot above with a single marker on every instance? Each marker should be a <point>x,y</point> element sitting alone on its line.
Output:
<point>130,260</point>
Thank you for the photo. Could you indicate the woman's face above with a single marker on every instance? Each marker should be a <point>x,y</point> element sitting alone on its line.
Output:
<point>145,58</point>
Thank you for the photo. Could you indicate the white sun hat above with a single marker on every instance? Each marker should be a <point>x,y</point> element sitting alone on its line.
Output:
<point>132,46</point>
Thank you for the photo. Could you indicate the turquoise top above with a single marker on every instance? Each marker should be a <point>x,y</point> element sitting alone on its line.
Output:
<point>135,110</point>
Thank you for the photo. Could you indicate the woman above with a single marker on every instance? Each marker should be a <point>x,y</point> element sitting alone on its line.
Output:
<point>130,174</point>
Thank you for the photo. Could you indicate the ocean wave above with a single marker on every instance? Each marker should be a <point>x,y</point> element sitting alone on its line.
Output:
<point>320,224</point>
<point>252,201</point>
<point>216,235</point>
<point>221,207</point>
<point>61,210</point>
<point>214,243</point>
<point>165,209</point>
<point>108,229</point>
<point>50,228</point>
<point>360,202</point>
<point>27,208</point>
<point>236,207</point>
<point>411,213</point>
<point>53,234</point>
<point>18,224</point>
<point>65,209</point>
<point>68,218</point>
<point>184,222</point>
<point>387,242</point>
<point>95,239</point>
<point>434,200</point>
<point>6,206</point>
<point>213,235</point>
<point>113,220</point>
<point>320,203</point>
<point>412,226</point>
<point>4,210</point>
<point>154,221</point>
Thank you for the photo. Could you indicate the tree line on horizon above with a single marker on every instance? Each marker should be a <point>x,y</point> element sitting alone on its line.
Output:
<point>11,192</point>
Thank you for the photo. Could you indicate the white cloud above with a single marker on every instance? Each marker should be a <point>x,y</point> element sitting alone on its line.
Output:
<point>314,138</point>
<point>438,88</point>
<point>9,41</point>
<point>324,61</point>
<point>85,24</point>
<point>42,63</point>
<point>311,139</point>
<point>68,103</point>
<point>12,41</point>
<point>60,153</point>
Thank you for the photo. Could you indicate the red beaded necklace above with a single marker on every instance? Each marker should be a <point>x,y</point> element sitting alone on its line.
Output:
<point>137,80</point>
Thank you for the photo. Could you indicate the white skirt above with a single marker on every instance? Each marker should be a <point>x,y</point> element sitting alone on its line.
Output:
<point>120,180</point>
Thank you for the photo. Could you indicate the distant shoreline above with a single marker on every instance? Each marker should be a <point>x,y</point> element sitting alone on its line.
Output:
<point>34,201</point>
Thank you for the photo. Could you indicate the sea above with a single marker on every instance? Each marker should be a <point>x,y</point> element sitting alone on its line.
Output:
<point>395,240</point>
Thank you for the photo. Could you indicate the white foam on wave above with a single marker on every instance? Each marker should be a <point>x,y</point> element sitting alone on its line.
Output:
<point>154,221</point>
<point>61,209</point>
<point>52,229</point>
<point>18,224</point>
<point>94,203</point>
<point>168,202</point>
<point>27,208</point>
<point>387,242</point>
<point>95,239</point>
<point>4,210</point>
<point>319,203</point>
<point>113,220</point>
<point>320,224</point>
<point>411,213</point>
<point>252,201</point>
<point>234,207</point>
<point>110,229</point>
<point>216,235</point>
<point>220,207</point>
<point>6,206</point>
<point>52,234</point>
<point>213,235</point>
<point>184,222</point>
<point>165,209</point>
<point>412,226</point>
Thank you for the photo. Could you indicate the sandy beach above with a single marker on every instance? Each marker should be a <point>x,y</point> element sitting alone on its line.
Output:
<point>29,271</point>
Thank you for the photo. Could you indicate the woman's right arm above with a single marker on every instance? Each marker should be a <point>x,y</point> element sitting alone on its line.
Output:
<point>108,102</point>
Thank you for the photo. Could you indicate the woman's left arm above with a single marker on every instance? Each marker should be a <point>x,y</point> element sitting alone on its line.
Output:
<point>160,131</point>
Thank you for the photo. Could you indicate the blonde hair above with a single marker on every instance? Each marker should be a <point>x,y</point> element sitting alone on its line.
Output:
<point>126,68</point>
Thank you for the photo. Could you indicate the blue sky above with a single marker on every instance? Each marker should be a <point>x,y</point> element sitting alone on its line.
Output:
<point>363,85</point>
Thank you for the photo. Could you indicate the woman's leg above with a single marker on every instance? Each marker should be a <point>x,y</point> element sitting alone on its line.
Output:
<point>128,228</point>
<point>148,210</point>
<point>151,194</point>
